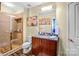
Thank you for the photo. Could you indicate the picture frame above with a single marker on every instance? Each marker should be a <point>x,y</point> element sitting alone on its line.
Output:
<point>32,21</point>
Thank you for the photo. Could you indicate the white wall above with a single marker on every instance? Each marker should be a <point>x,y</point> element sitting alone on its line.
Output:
<point>62,16</point>
<point>25,15</point>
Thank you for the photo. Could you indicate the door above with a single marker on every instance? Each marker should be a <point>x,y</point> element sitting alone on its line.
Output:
<point>73,29</point>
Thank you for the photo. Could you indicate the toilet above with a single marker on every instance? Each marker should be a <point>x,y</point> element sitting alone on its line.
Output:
<point>27,46</point>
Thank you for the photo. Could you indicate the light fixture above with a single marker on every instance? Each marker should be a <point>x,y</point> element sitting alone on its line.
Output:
<point>8,4</point>
<point>46,8</point>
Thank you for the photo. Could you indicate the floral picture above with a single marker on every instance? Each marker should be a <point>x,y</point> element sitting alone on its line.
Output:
<point>32,21</point>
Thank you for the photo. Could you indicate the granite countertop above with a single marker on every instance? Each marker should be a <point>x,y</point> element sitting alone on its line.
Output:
<point>47,37</point>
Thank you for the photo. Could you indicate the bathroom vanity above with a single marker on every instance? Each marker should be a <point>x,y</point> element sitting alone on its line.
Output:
<point>44,46</point>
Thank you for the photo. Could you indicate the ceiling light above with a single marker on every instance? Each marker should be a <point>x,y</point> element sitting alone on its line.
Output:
<point>46,8</point>
<point>9,4</point>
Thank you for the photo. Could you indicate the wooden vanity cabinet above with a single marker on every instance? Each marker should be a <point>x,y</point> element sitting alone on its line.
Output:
<point>44,47</point>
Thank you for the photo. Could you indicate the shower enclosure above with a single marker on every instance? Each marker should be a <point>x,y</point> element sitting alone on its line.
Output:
<point>10,32</point>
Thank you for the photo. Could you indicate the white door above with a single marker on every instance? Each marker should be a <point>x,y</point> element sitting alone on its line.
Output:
<point>73,29</point>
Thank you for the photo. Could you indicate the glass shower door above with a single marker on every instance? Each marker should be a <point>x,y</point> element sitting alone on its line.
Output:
<point>4,33</point>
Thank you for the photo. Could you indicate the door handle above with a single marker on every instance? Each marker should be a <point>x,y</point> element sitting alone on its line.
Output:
<point>71,40</point>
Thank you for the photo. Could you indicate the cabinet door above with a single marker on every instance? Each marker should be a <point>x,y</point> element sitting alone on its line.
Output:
<point>53,47</point>
<point>35,46</point>
<point>44,46</point>
<point>49,47</point>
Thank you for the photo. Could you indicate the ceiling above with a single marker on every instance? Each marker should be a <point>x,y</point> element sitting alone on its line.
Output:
<point>24,4</point>
<point>27,4</point>
<point>19,6</point>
